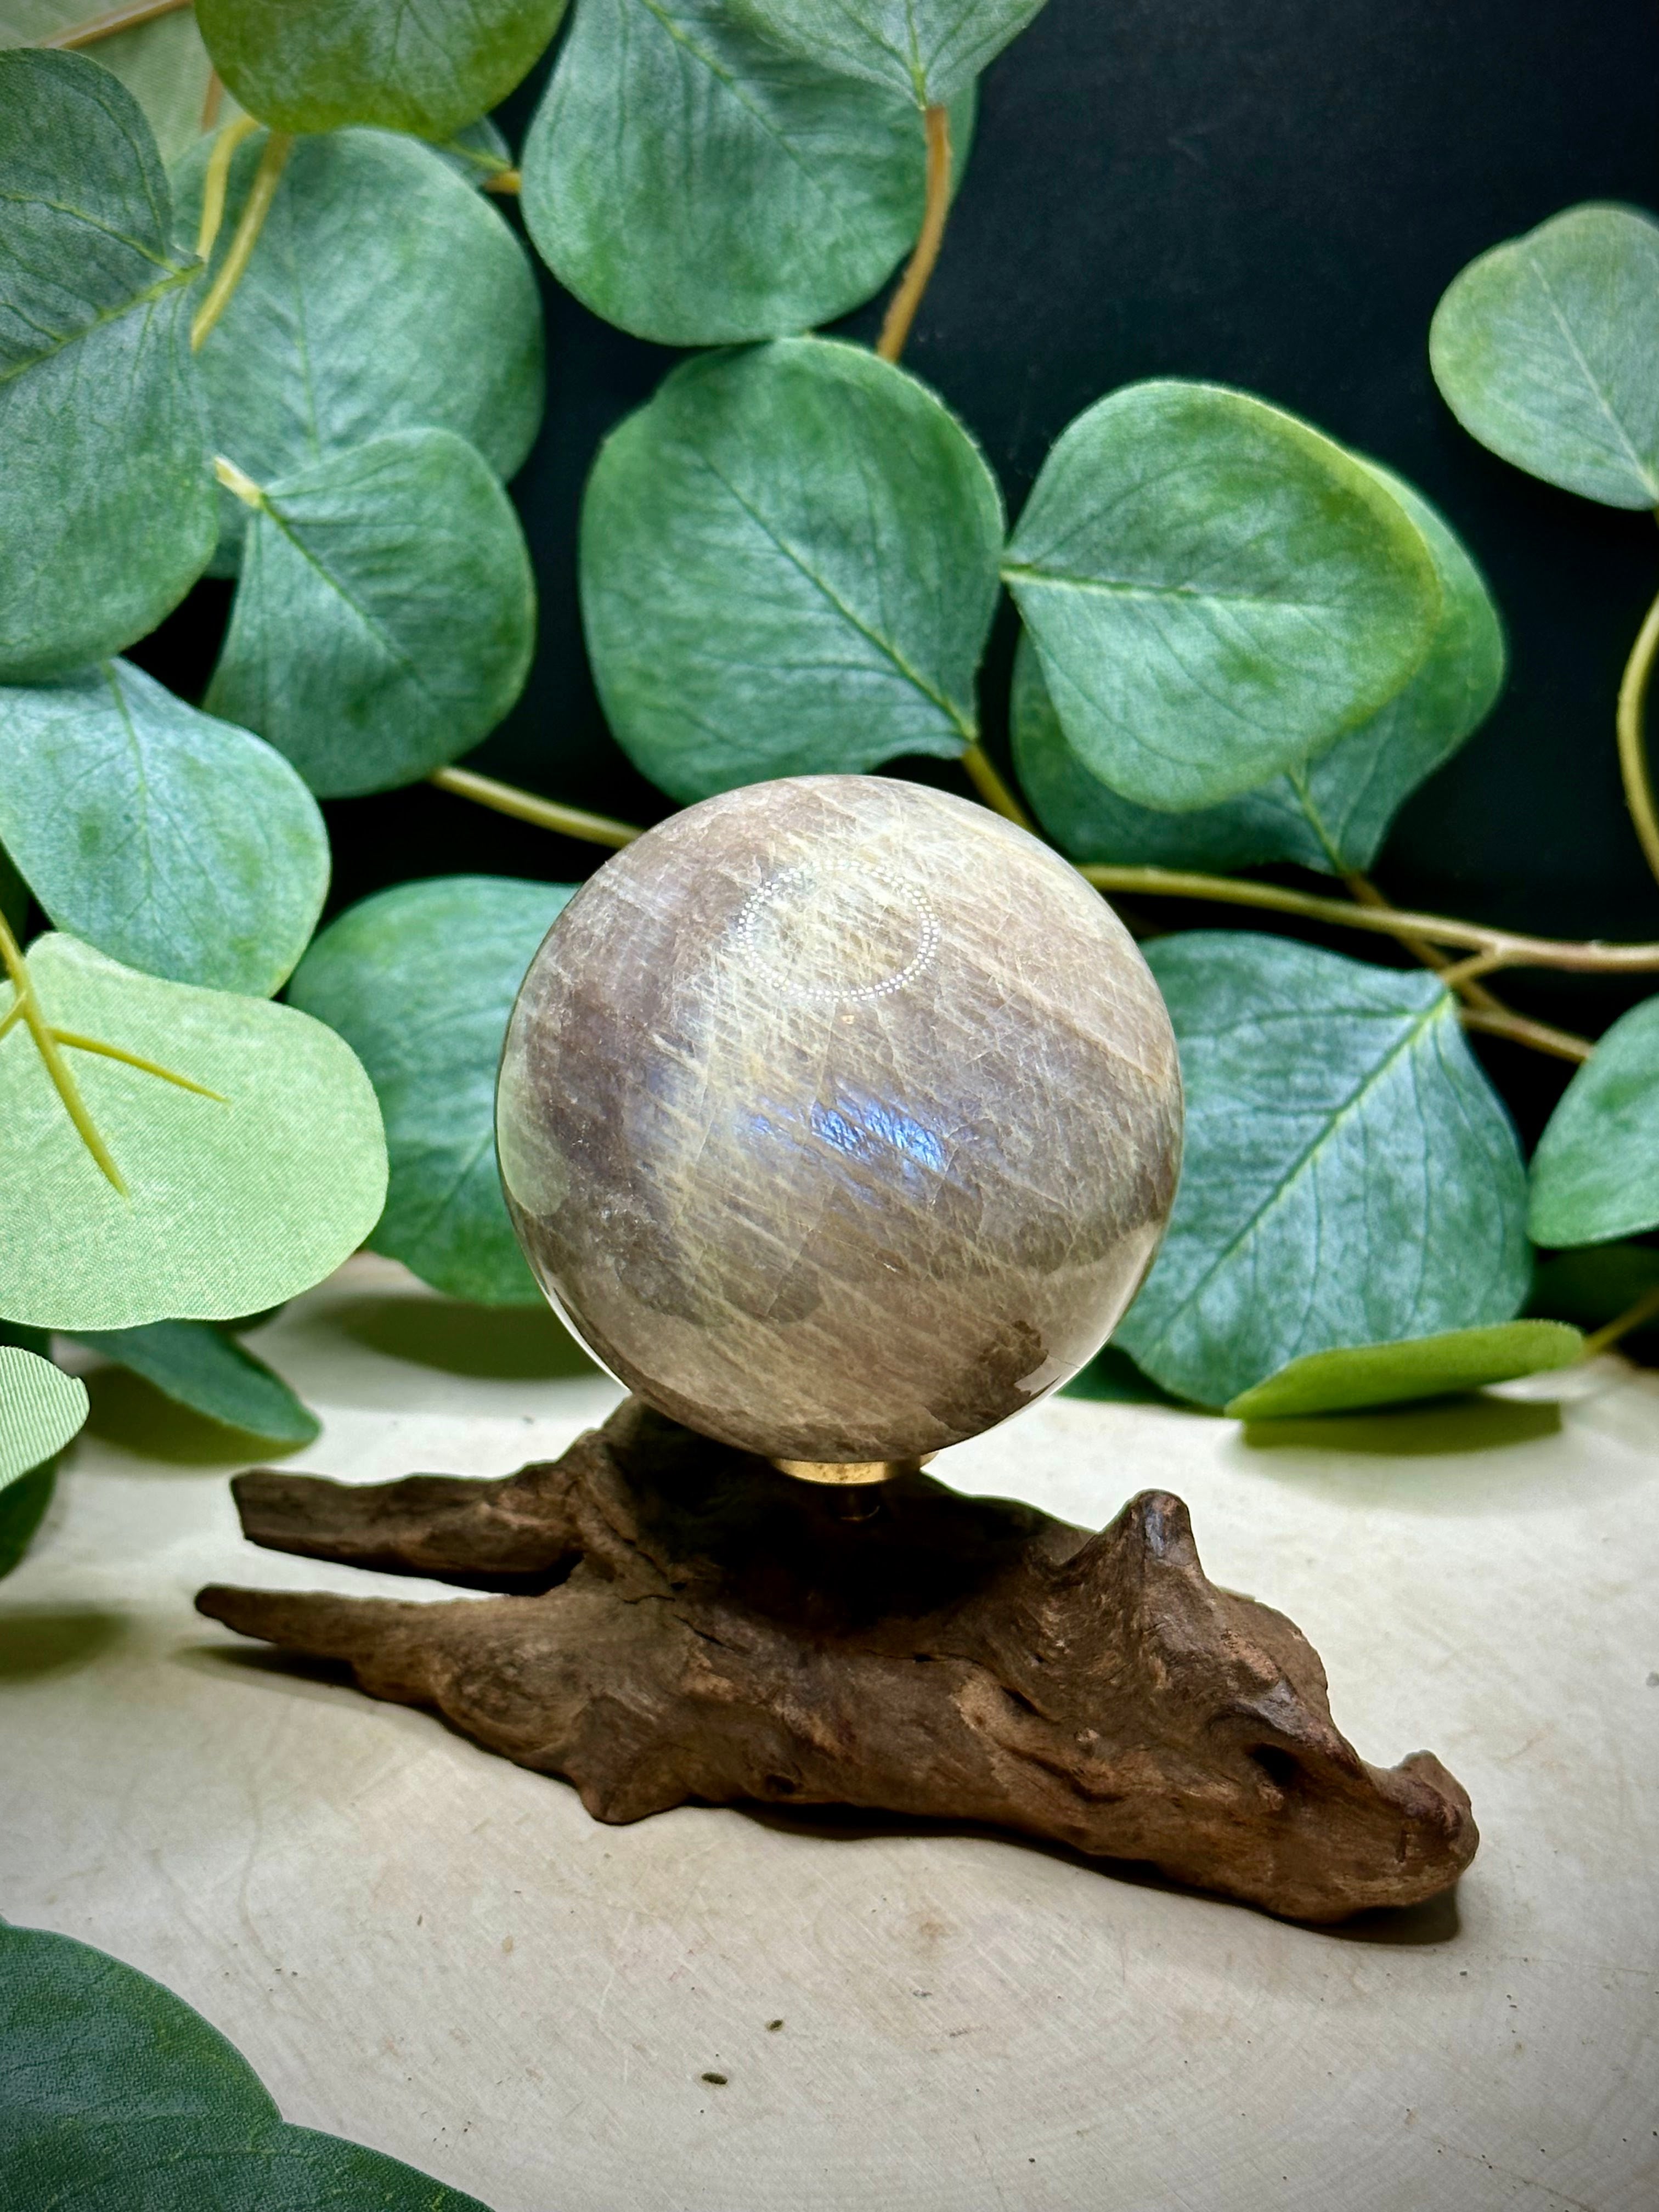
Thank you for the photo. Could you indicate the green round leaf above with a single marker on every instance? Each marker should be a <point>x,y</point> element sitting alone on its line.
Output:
<point>385,617</point>
<point>420,982</point>
<point>1349,1177</point>
<point>1546,350</point>
<point>40,1409</point>
<point>173,842</point>
<point>83,2037</point>
<point>1330,813</point>
<point>1441,1367</point>
<point>198,1365</point>
<point>162,64</point>
<point>927,50</point>
<point>106,494</point>
<point>232,1202</point>
<point>117,2098</point>
<point>1217,593</point>
<point>383,294</point>
<point>687,180</point>
<point>1595,1172</point>
<point>1089,822</point>
<point>788,566</point>
<point>315,65</point>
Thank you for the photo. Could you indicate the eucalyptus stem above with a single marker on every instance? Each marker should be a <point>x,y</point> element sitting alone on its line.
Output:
<point>1645,1309</point>
<point>982,774</point>
<point>1521,1029</point>
<point>235,480</point>
<point>79,1043</point>
<point>1507,948</point>
<point>1482,1009</point>
<point>47,1044</point>
<point>545,813</point>
<point>1457,975</point>
<point>1499,948</point>
<point>1632,739</point>
<point>266,178</point>
<point>902,307</point>
<point>216,183</point>
<point>504,180</point>
<point>113,19</point>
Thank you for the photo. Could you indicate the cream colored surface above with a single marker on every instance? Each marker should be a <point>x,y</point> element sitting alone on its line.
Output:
<point>439,1954</point>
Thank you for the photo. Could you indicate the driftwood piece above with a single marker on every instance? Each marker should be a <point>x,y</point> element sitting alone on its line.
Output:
<point>685,1623</point>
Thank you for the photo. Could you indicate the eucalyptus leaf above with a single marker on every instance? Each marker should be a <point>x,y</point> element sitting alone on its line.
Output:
<point>385,617</point>
<point>687,179</point>
<point>173,842</point>
<point>162,64</point>
<point>1330,813</point>
<point>106,496</point>
<point>788,566</point>
<point>927,50</point>
<point>198,1365</point>
<point>1349,1176</point>
<point>1217,591</point>
<point>420,980</point>
<point>1442,1366</point>
<point>316,65</point>
<point>383,294</point>
<point>1595,1172</point>
<point>41,1407</point>
<point>116,2097</point>
<point>1112,1377</point>
<point>1546,350</point>
<point>232,1201</point>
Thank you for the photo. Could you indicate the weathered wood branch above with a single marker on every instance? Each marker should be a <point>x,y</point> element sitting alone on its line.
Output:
<point>688,1624</point>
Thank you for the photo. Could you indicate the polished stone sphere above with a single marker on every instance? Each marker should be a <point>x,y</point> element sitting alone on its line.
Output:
<point>839,1118</point>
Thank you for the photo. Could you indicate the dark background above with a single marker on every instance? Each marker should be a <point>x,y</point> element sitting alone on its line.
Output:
<point>1270,194</point>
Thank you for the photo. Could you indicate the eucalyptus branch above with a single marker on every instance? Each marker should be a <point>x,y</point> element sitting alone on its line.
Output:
<point>1482,1009</point>
<point>1497,948</point>
<point>266,178</point>
<point>1507,948</point>
<point>982,774</point>
<point>1521,1029</point>
<point>1645,1309</point>
<point>1633,736</point>
<point>1458,976</point>
<point>113,19</point>
<point>236,482</point>
<point>525,807</point>
<point>217,181</point>
<point>902,308</point>
<point>503,180</point>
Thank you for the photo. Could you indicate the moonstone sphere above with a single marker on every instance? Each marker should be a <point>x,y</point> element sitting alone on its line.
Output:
<point>839,1118</point>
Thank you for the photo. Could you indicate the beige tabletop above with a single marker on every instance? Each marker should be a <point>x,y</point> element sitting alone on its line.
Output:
<point>426,1948</point>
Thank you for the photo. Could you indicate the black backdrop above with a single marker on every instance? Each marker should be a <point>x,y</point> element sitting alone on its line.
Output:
<point>1272,193</point>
